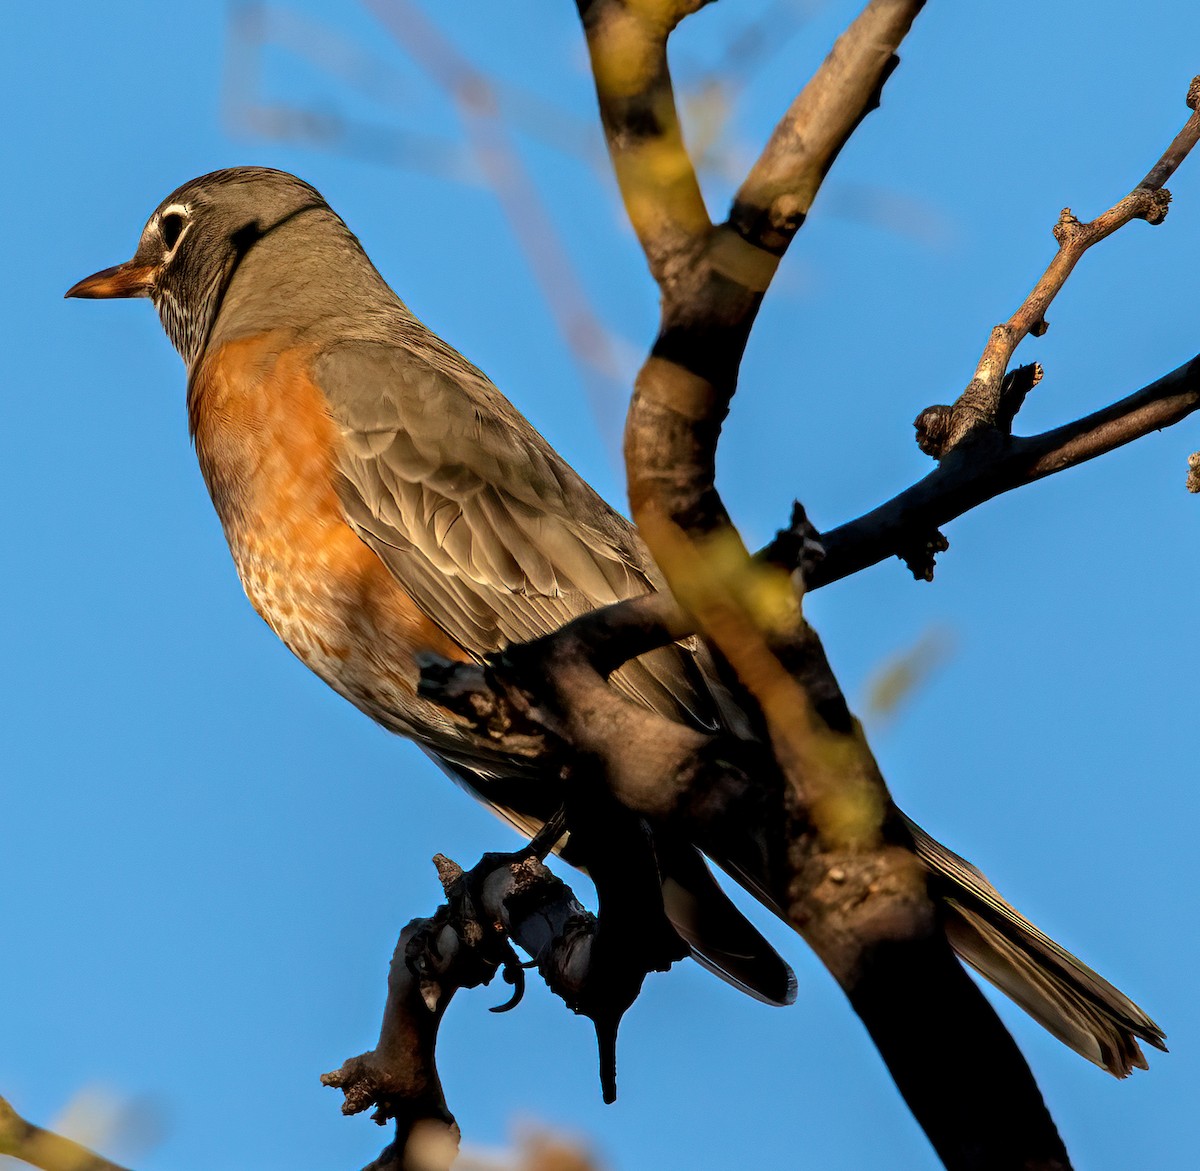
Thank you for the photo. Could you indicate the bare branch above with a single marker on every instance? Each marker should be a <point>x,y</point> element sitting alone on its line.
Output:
<point>596,964</point>
<point>967,477</point>
<point>779,191</point>
<point>399,1076</point>
<point>941,428</point>
<point>627,41</point>
<point>1161,404</point>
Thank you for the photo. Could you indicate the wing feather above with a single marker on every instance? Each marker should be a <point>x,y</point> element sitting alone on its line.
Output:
<point>498,540</point>
<point>493,535</point>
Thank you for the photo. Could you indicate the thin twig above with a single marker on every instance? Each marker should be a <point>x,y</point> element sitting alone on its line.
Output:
<point>940,428</point>
<point>490,156</point>
<point>479,103</point>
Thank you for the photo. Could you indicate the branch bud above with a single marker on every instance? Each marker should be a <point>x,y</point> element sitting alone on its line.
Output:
<point>933,429</point>
<point>1068,224</point>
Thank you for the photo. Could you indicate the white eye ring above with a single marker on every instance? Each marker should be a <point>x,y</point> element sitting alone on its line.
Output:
<point>173,222</point>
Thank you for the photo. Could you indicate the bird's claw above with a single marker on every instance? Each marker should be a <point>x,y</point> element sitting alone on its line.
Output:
<point>514,974</point>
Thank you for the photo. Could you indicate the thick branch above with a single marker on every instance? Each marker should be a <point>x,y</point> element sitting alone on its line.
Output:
<point>928,1018</point>
<point>870,920</point>
<point>711,294</point>
<point>627,41</point>
<point>681,397</point>
<point>779,191</point>
<point>747,610</point>
<point>399,1076</point>
<point>993,1118</point>
<point>720,792</point>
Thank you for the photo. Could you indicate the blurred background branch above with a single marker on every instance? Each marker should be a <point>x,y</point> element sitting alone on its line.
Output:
<point>22,1142</point>
<point>30,1144</point>
<point>495,117</point>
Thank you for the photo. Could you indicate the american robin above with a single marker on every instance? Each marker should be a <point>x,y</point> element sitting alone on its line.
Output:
<point>382,500</point>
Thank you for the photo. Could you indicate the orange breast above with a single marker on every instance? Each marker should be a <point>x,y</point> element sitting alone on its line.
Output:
<point>267,449</point>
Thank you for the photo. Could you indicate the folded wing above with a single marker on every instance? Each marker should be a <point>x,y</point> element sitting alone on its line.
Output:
<point>498,540</point>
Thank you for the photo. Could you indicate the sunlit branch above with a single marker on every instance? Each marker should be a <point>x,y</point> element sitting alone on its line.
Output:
<point>31,1144</point>
<point>981,405</point>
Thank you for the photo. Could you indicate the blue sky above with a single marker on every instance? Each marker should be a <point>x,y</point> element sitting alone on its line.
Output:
<point>205,856</point>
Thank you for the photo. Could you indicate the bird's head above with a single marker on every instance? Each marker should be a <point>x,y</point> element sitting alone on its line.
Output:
<point>194,242</point>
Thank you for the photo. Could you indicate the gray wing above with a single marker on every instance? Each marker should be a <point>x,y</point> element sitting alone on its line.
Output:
<point>490,532</point>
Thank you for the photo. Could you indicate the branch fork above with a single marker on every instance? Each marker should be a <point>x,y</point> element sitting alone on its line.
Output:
<point>982,406</point>
<point>797,808</point>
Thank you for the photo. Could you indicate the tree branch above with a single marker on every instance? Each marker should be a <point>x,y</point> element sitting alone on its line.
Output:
<point>777,194</point>
<point>908,524</point>
<point>853,885</point>
<point>45,1149</point>
<point>904,988</point>
<point>596,964</point>
<point>980,406</point>
<point>627,43</point>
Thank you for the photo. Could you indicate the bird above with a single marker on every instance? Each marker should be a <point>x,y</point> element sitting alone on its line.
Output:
<point>384,502</point>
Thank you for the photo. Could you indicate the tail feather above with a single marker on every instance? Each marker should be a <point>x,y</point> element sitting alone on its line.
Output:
<point>722,939</point>
<point>1079,1007</point>
<point>1064,995</point>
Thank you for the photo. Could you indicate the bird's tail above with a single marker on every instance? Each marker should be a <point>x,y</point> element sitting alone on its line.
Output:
<point>1080,1008</point>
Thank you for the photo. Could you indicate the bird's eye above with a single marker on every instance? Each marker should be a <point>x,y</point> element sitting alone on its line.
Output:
<point>171,226</point>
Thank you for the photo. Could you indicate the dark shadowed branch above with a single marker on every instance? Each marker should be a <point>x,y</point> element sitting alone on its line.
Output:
<point>874,924</point>
<point>595,963</point>
<point>908,525</point>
